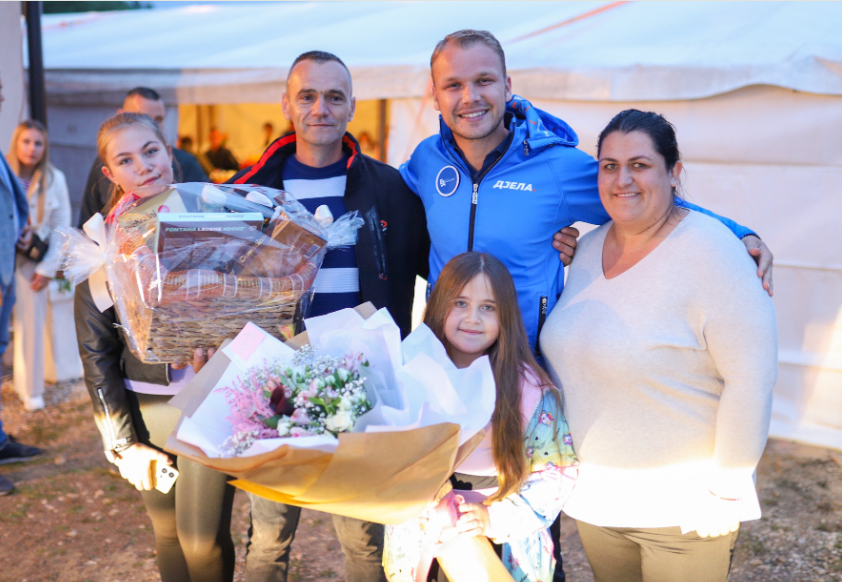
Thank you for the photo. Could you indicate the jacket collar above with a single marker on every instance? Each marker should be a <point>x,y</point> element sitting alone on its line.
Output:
<point>273,158</point>
<point>537,128</point>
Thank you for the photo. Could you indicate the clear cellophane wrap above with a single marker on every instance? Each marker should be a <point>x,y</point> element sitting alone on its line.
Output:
<point>190,266</point>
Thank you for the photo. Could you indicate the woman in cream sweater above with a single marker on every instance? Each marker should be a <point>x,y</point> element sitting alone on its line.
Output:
<point>49,208</point>
<point>665,346</point>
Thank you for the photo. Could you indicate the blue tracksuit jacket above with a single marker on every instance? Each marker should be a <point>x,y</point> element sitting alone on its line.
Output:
<point>541,184</point>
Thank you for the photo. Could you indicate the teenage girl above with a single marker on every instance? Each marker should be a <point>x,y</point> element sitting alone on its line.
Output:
<point>518,478</point>
<point>191,523</point>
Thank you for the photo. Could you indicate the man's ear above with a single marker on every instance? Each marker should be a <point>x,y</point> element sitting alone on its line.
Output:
<point>508,89</point>
<point>285,106</point>
<point>433,93</point>
<point>353,108</point>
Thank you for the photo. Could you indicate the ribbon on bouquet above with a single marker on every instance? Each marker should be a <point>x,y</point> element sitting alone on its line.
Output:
<point>95,229</point>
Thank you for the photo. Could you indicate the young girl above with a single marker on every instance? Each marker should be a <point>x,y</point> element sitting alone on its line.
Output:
<point>49,208</point>
<point>518,478</point>
<point>191,523</point>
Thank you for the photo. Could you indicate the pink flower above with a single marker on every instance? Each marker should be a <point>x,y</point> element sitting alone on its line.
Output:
<point>300,416</point>
<point>310,392</point>
<point>299,432</point>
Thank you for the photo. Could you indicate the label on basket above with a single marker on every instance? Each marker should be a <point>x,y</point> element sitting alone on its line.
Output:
<point>247,341</point>
<point>207,240</point>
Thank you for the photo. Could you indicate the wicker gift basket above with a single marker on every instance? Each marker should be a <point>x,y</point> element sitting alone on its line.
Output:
<point>189,266</point>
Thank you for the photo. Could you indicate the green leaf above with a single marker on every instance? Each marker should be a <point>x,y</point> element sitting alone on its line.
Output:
<point>272,422</point>
<point>317,401</point>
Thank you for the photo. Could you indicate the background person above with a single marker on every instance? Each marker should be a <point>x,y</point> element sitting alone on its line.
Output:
<point>268,134</point>
<point>192,522</point>
<point>667,367</point>
<point>218,155</point>
<point>14,212</point>
<point>49,208</point>
<point>186,167</point>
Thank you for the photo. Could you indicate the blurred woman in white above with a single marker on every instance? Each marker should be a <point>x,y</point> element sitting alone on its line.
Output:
<point>665,345</point>
<point>49,208</point>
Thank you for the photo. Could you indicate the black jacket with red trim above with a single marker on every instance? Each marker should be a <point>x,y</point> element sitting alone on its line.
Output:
<point>393,245</point>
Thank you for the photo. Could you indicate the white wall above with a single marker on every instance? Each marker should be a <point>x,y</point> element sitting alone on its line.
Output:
<point>771,159</point>
<point>14,109</point>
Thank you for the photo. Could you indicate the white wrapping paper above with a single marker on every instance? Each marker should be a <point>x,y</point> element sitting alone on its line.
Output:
<point>411,385</point>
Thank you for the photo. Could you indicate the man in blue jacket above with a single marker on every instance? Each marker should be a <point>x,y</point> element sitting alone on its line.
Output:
<point>502,177</point>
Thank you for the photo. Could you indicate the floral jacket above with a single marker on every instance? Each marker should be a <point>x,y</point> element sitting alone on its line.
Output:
<point>521,521</point>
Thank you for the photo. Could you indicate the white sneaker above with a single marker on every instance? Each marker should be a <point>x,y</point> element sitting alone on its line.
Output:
<point>34,403</point>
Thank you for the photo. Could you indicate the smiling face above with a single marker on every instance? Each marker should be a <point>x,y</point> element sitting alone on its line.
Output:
<point>135,158</point>
<point>30,147</point>
<point>319,104</point>
<point>470,90</point>
<point>472,325</point>
<point>635,185</point>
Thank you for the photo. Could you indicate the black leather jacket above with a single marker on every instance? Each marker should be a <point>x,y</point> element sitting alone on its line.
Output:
<point>107,362</point>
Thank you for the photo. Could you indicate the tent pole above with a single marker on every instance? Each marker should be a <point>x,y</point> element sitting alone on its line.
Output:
<point>37,101</point>
<point>383,129</point>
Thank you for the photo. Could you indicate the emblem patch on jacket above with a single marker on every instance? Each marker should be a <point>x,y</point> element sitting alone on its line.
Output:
<point>447,181</point>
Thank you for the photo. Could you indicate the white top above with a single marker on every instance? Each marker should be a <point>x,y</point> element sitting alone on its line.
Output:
<point>56,213</point>
<point>667,372</point>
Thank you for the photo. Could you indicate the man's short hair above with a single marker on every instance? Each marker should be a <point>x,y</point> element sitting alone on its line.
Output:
<point>145,92</point>
<point>319,57</point>
<point>466,38</point>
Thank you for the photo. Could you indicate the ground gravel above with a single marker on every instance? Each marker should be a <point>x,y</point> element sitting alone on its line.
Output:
<point>72,520</point>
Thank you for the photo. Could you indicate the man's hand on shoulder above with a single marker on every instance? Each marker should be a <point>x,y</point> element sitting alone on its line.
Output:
<point>564,241</point>
<point>763,257</point>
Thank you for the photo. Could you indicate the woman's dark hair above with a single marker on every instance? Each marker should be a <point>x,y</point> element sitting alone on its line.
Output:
<point>659,130</point>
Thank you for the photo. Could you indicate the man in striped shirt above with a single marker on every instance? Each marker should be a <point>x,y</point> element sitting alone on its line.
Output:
<point>321,164</point>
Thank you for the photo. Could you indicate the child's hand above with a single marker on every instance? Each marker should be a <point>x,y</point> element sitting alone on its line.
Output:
<point>473,519</point>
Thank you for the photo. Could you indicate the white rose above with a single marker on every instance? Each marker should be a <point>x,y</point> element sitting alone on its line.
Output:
<point>345,403</point>
<point>360,395</point>
<point>339,422</point>
<point>283,427</point>
<point>343,374</point>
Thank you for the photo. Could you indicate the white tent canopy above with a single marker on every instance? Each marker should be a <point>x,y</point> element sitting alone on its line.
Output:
<point>754,88</point>
<point>555,50</point>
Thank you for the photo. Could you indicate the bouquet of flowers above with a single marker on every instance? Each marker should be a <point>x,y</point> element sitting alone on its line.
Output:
<point>188,266</point>
<point>308,396</point>
<point>343,418</point>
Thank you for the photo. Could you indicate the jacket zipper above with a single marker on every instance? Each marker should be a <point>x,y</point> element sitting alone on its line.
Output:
<point>474,199</point>
<point>542,316</point>
<point>374,225</point>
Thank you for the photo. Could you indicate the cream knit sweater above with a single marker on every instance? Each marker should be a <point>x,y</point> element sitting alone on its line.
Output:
<point>667,372</point>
